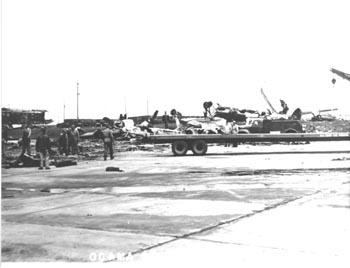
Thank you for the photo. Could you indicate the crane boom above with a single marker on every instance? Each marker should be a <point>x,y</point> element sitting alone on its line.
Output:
<point>341,74</point>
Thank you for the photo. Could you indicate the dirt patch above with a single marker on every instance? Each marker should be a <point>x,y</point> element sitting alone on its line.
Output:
<point>19,252</point>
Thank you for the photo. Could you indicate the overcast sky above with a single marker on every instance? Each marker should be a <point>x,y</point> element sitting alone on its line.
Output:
<point>173,54</point>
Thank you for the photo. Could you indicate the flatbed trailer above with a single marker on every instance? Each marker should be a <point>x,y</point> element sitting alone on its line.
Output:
<point>198,143</point>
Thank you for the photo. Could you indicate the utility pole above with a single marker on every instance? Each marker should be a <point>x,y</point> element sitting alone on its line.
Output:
<point>64,111</point>
<point>147,108</point>
<point>77,101</point>
<point>125,104</point>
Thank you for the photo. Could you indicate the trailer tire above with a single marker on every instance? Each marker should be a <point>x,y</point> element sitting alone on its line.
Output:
<point>243,131</point>
<point>199,147</point>
<point>191,131</point>
<point>290,130</point>
<point>179,148</point>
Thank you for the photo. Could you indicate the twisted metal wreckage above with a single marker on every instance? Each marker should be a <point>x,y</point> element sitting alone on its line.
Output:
<point>217,120</point>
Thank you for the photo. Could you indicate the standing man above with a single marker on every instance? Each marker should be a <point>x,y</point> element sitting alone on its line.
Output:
<point>108,142</point>
<point>63,143</point>
<point>166,120</point>
<point>27,132</point>
<point>284,106</point>
<point>42,146</point>
<point>4,138</point>
<point>72,140</point>
<point>76,134</point>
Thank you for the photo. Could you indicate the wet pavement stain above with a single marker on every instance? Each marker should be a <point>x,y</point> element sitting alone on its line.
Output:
<point>280,171</point>
<point>137,223</point>
<point>228,195</point>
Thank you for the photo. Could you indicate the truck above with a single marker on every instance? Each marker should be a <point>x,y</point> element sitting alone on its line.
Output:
<point>262,125</point>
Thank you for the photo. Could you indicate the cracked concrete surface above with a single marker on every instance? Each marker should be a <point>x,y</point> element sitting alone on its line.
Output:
<point>244,207</point>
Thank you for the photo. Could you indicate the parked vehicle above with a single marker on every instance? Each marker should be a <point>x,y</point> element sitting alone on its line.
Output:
<point>261,125</point>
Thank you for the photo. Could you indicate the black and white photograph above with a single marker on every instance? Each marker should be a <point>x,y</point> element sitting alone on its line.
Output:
<point>187,133</point>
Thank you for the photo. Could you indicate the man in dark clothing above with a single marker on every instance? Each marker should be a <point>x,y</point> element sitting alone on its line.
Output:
<point>166,120</point>
<point>42,146</point>
<point>72,142</point>
<point>63,143</point>
<point>284,106</point>
<point>206,106</point>
<point>108,142</point>
<point>26,139</point>
<point>4,137</point>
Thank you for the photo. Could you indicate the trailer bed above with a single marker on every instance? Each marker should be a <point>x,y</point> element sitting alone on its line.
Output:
<point>181,143</point>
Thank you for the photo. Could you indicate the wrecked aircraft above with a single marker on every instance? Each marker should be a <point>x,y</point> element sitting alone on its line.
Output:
<point>227,113</point>
<point>127,129</point>
<point>206,125</point>
<point>320,116</point>
<point>296,115</point>
<point>217,120</point>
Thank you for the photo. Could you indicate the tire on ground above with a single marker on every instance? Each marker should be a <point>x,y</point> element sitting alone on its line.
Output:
<point>179,147</point>
<point>199,147</point>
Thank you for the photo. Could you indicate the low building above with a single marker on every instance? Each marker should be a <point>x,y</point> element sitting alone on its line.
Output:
<point>16,116</point>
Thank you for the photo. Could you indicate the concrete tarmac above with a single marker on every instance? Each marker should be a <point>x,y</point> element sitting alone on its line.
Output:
<point>277,205</point>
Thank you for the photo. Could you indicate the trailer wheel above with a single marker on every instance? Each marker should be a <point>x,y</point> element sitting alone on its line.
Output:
<point>290,130</point>
<point>243,131</point>
<point>179,147</point>
<point>191,131</point>
<point>199,147</point>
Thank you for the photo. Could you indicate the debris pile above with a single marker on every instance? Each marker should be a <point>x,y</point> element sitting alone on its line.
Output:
<point>62,161</point>
<point>24,160</point>
<point>341,159</point>
<point>326,126</point>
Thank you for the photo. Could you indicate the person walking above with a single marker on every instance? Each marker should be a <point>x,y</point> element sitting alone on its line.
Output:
<point>27,132</point>
<point>108,142</point>
<point>42,146</point>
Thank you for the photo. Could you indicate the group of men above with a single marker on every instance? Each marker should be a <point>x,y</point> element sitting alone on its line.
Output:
<point>42,145</point>
<point>68,142</point>
<point>70,138</point>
